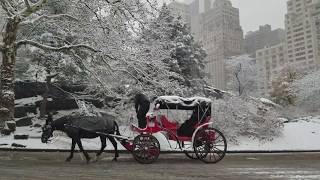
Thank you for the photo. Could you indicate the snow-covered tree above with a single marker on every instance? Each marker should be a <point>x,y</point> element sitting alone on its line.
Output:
<point>308,92</point>
<point>282,91</point>
<point>132,61</point>
<point>19,14</point>
<point>242,75</point>
<point>186,55</point>
<point>105,40</point>
<point>245,116</point>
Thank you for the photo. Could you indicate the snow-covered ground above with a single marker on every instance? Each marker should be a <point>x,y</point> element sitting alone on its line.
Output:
<point>300,134</point>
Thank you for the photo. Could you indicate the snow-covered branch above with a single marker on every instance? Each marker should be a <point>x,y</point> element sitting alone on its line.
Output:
<point>27,3</point>
<point>1,46</point>
<point>51,48</point>
<point>106,30</point>
<point>52,17</point>
<point>32,8</point>
<point>7,7</point>
<point>113,2</point>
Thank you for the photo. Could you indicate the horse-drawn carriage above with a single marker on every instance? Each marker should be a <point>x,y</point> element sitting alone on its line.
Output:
<point>196,137</point>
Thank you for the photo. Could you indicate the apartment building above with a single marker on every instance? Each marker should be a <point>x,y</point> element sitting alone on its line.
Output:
<point>269,62</point>
<point>301,46</point>
<point>315,29</point>
<point>222,37</point>
<point>264,37</point>
<point>301,35</point>
<point>2,19</point>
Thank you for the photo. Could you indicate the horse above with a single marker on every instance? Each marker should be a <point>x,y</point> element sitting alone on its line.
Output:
<point>78,127</point>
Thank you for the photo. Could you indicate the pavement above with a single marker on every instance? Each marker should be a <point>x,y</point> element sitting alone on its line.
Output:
<point>50,165</point>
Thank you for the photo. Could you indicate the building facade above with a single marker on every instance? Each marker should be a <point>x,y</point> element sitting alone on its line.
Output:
<point>270,60</point>
<point>2,19</point>
<point>315,29</point>
<point>300,48</point>
<point>264,37</point>
<point>222,37</point>
<point>301,33</point>
<point>216,24</point>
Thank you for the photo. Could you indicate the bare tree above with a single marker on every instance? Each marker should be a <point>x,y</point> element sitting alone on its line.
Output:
<point>237,76</point>
<point>242,72</point>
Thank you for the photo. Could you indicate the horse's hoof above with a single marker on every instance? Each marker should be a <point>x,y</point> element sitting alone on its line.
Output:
<point>95,159</point>
<point>88,160</point>
<point>115,159</point>
<point>68,159</point>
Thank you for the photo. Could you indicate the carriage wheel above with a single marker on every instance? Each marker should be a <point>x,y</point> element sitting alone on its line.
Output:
<point>146,148</point>
<point>209,145</point>
<point>189,152</point>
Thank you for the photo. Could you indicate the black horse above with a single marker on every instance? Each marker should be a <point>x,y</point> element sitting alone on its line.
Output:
<point>77,127</point>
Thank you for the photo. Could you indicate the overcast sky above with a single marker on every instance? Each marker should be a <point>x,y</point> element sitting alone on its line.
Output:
<point>254,13</point>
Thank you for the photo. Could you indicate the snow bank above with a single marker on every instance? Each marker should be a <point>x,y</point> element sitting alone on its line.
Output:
<point>302,134</point>
<point>245,116</point>
<point>299,135</point>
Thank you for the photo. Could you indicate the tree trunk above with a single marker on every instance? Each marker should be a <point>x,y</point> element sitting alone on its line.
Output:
<point>7,71</point>
<point>43,107</point>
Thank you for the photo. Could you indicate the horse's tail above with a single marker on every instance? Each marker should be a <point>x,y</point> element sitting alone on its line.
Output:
<point>117,128</point>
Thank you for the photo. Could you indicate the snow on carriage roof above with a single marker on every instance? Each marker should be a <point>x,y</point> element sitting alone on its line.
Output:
<point>180,102</point>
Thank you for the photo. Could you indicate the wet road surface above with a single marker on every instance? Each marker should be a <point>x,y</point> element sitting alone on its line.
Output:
<point>51,165</point>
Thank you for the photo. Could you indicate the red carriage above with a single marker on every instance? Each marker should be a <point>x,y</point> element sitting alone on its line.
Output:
<point>195,137</point>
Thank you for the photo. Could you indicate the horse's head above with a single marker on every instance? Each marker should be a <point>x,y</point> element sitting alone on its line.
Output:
<point>47,130</point>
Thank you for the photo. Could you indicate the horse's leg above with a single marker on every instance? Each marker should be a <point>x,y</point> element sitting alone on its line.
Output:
<point>73,145</point>
<point>78,140</point>
<point>115,145</point>
<point>103,145</point>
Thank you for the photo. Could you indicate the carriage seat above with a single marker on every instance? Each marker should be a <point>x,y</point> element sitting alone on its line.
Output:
<point>167,124</point>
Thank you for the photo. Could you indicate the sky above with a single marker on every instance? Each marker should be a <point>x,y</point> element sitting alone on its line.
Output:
<point>254,13</point>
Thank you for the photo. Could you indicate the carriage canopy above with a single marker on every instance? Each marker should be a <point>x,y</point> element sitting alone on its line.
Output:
<point>180,103</point>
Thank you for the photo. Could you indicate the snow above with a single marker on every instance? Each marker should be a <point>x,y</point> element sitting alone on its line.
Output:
<point>269,102</point>
<point>195,101</point>
<point>30,100</point>
<point>299,135</point>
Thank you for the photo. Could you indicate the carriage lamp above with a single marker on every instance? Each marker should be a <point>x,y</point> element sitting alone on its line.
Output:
<point>156,107</point>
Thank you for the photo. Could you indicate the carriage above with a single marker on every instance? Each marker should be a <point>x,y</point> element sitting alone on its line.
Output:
<point>196,137</point>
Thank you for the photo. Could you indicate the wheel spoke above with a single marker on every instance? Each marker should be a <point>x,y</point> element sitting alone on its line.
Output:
<point>209,146</point>
<point>146,148</point>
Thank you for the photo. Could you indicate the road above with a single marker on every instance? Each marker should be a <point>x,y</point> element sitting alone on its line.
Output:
<point>51,165</point>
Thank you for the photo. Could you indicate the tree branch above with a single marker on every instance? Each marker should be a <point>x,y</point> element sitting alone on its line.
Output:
<point>27,3</point>
<point>7,7</point>
<point>105,29</point>
<point>1,46</point>
<point>50,76</point>
<point>58,16</point>
<point>26,12</point>
<point>91,72</point>
<point>114,2</point>
<point>56,49</point>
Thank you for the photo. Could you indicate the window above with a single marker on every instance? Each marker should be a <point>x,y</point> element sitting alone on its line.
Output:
<point>301,58</point>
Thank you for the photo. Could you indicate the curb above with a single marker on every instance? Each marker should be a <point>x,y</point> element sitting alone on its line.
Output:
<point>162,152</point>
